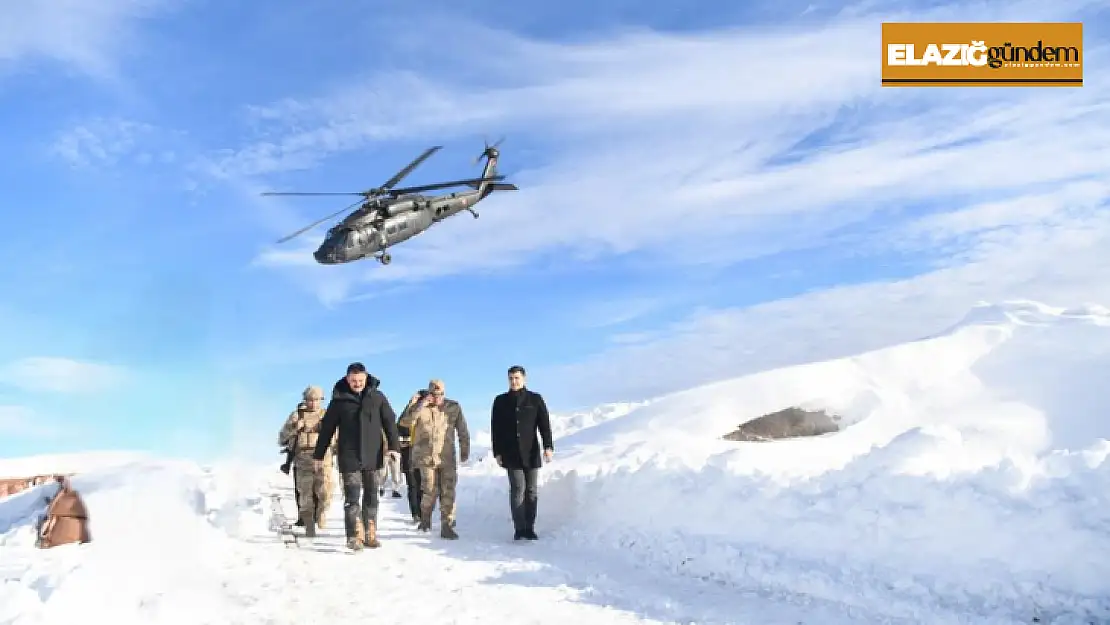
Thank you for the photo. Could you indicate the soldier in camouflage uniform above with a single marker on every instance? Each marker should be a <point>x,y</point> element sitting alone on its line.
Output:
<point>301,431</point>
<point>436,421</point>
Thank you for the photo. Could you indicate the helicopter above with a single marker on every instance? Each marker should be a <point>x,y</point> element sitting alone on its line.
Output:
<point>386,216</point>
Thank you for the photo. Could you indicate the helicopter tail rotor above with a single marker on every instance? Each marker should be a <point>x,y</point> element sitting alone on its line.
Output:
<point>490,151</point>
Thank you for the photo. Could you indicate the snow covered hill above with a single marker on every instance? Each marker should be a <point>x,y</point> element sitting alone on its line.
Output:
<point>970,486</point>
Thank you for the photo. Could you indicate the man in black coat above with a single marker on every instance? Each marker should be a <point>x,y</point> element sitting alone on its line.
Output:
<point>515,418</point>
<point>361,413</point>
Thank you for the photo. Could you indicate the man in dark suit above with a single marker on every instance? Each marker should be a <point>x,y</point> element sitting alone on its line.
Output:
<point>362,414</point>
<point>515,419</point>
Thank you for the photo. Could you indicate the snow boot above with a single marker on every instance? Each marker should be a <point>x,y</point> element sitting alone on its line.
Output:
<point>371,540</point>
<point>447,530</point>
<point>354,543</point>
<point>396,494</point>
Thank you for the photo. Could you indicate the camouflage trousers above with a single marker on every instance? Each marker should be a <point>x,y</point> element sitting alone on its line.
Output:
<point>312,490</point>
<point>438,482</point>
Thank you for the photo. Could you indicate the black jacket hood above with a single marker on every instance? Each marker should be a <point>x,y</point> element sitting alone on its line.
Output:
<point>341,386</point>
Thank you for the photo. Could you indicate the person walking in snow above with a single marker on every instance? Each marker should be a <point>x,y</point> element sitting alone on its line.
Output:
<point>412,473</point>
<point>311,483</point>
<point>360,413</point>
<point>515,418</point>
<point>436,421</point>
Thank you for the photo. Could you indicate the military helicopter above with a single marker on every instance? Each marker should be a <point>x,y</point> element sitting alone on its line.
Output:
<point>386,216</point>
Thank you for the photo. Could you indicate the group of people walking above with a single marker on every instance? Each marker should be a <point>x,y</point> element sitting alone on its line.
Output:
<point>360,430</point>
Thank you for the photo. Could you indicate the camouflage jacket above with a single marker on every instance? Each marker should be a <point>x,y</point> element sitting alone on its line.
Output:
<point>300,432</point>
<point>433,435</point>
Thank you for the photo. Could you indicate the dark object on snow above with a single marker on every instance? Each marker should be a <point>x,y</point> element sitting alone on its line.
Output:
<point>791,422</point>
<point>66,520</point>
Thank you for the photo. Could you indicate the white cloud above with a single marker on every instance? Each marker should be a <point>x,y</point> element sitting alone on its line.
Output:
<point>61,375</point>
<point>614,310</point>
<point>106,142</point>
<point>669,147</point>
<point>89,36</point>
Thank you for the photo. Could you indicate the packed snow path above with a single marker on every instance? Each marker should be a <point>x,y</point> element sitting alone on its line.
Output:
<point>486,577</point>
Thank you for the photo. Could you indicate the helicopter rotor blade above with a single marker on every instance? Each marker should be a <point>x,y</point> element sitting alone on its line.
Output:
<point>445,185</point>
<point>399,176</point>
<point>317,223</point>
<point>272,193</point>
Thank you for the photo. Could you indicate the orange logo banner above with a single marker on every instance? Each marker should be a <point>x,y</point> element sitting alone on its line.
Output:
<point>1017,54</point>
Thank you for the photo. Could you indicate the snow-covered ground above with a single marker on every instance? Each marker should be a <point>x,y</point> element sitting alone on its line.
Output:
<point>971,487</point>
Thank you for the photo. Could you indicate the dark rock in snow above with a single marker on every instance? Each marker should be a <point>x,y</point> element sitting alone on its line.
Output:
<point>787,423</point>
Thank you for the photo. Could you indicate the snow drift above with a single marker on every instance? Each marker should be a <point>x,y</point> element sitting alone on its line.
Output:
<point>162,531</point>
<point>971,479</point>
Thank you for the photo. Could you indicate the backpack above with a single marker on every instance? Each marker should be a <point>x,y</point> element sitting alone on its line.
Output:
<point>66,520</point>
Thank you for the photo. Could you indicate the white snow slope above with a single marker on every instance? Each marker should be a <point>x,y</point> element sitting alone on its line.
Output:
<point>972,486</point>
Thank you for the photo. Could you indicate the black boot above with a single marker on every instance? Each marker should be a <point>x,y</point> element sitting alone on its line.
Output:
<point>529,532</point>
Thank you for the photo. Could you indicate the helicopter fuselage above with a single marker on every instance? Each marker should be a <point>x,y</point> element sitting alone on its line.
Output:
<point>370,232</point>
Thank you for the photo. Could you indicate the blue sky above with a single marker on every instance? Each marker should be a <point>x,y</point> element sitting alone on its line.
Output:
<point>688,210</point>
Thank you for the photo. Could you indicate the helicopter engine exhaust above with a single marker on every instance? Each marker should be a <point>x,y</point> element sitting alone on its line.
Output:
<point>403,206</point>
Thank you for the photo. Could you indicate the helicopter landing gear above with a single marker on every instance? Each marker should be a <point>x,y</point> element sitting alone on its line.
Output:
<point>473,212</point>
<point>384,258</point>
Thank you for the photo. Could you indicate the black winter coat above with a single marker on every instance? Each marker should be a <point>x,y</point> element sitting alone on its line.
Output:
<point>361,418</point>
<point>514,420</point>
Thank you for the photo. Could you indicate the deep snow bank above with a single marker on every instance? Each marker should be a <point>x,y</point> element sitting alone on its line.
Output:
<point>156,525</point>
<point>973,477</point>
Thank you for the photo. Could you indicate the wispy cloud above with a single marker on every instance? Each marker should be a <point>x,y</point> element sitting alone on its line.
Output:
<point>667,147</point>
<point>107,142</point>
<point>614,311</point>
<point>44,374</point>
<point>88,36</point>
